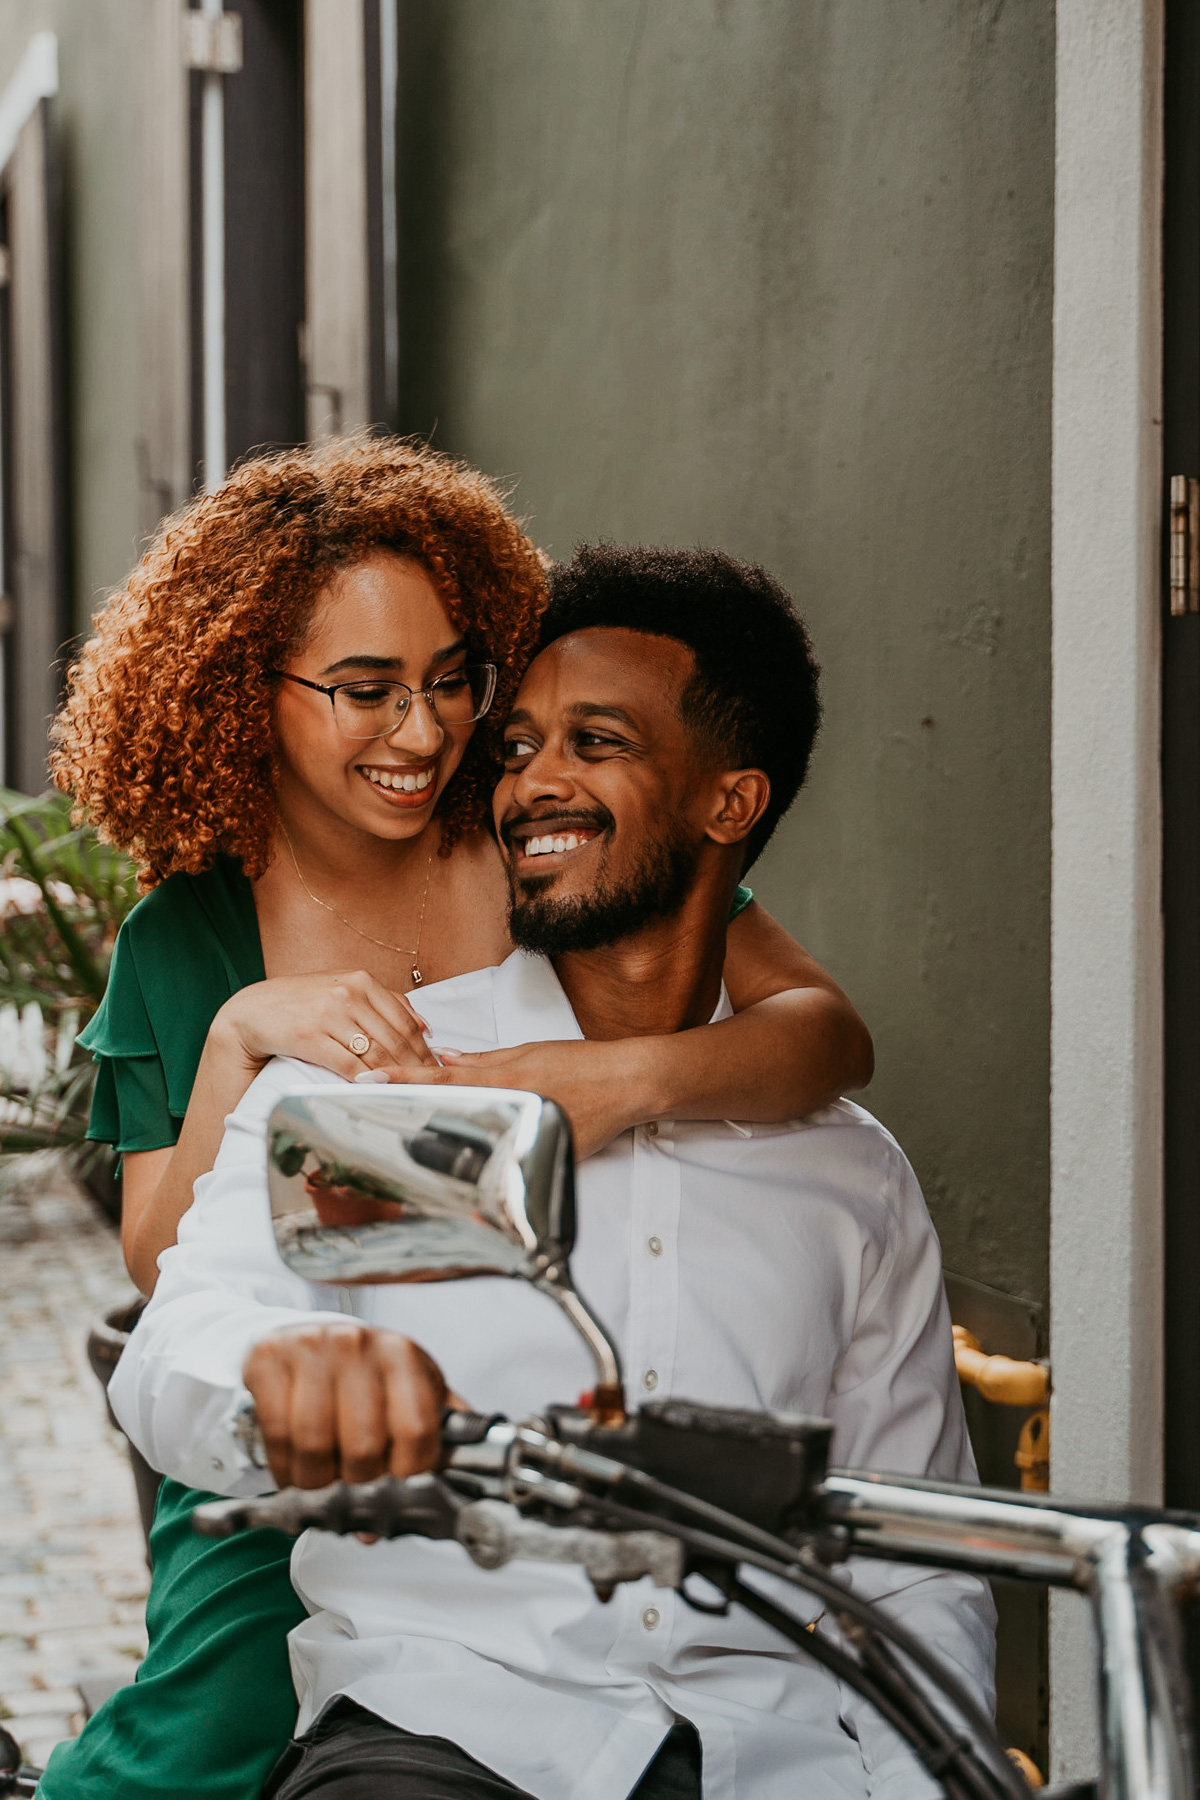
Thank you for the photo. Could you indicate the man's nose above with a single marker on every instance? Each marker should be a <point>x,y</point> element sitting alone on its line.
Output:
<point>544,776</point>
<point>420,731</point>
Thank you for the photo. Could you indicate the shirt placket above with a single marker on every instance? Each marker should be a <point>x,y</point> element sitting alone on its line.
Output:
<point>651,1346</point>
<point>654,1265</point>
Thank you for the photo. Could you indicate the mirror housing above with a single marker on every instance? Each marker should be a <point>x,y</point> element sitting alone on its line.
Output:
<point>413,1183</point>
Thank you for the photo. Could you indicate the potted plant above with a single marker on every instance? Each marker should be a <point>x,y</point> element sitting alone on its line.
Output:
<point>63,895</point>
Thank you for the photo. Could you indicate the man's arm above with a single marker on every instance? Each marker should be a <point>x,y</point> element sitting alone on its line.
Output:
<point>223,1287</point>
<point>897,1409</point>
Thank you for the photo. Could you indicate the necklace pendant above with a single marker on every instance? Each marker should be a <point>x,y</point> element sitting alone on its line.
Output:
<point>416,976</point>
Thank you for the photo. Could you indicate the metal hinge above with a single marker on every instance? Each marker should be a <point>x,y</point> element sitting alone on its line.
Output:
<point>1185,545</point>
<point>212,44</point>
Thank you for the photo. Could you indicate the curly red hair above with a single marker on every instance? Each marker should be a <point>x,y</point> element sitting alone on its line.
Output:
<point>166,740</point>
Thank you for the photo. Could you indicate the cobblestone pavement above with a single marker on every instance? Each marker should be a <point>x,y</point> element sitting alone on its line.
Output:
<point>73,1574</point>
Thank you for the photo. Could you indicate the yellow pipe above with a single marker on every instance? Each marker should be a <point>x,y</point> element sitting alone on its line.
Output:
<point>1033,1452</point>
<point>1028,1768</point>
<point>999,1378</point>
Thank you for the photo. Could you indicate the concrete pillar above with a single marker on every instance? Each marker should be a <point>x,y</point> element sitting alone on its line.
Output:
<point>337,334</point>
<point>1106,985</point>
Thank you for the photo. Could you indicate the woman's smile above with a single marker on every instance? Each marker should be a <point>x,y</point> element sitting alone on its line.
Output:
<point>407,785</point>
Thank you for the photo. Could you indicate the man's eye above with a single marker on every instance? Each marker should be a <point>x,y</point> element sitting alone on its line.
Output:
<point>596,740</point>
<point>518,747</point>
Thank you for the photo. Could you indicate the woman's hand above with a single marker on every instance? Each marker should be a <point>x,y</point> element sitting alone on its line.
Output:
<point>316,1018</point>
<point>313,1017</point>
<point>603,1087</point>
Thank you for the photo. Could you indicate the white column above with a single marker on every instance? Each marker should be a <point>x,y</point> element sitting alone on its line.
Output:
<point>37,549</point>
<point>212,231</point>
<point>1106,1112</point>
<point>336,279</point>
<point>165,446</point>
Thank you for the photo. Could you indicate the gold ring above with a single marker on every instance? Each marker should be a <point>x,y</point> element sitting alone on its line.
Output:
<point>360,1043</point>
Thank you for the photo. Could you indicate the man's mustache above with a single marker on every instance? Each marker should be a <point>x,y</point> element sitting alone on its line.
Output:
<point>592,818</point>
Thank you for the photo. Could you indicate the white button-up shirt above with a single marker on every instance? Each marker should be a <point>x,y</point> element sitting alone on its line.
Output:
<point>784,1266</point>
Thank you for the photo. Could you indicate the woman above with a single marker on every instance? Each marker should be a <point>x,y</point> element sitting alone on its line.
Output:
<point>289,715</point>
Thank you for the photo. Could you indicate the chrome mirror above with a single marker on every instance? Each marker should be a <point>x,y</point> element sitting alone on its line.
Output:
<point>394,1184</point>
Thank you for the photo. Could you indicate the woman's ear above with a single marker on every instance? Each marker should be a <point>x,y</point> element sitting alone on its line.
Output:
<point>741,800</point>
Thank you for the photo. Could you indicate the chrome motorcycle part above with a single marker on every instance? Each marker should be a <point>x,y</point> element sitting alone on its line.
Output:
<point>413,1183</point>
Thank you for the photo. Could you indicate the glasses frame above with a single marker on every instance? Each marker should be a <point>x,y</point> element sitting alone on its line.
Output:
<point>426,693</point>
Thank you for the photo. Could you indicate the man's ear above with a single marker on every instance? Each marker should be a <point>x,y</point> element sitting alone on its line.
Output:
<point>742,797</point>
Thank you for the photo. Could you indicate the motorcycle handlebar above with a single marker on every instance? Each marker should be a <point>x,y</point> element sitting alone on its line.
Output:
<point>708,1489</point>
<point>766,1470</point>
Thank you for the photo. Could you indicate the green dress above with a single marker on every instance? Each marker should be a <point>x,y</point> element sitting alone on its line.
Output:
<point>213,1704</point>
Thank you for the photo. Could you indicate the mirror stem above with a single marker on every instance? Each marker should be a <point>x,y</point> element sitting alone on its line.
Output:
<point>608,1402</point>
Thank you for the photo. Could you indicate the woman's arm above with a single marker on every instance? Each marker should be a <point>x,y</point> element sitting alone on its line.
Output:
<point>156,1185</point>
<point>794,1044</point>
<point>807,1042</point>
<point>312,1017</point>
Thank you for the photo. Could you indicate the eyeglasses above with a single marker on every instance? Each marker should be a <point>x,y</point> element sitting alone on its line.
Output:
<point>370,709</point>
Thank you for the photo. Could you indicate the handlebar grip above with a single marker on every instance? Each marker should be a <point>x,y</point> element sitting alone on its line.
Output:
<point>466,1427</point>
<point>388,1507</point>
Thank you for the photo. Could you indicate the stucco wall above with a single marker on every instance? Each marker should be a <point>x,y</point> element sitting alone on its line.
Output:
<point>98,119</point>
<point>778,278</point>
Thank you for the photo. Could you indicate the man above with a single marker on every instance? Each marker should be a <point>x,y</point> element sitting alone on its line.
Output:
<point>658,737</point>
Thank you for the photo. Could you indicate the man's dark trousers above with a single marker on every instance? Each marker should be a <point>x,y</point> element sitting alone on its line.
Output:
<point>351,1755</point>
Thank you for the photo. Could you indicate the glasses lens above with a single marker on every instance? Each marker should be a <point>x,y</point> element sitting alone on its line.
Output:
<point>464,694</point>
<point>368,709</point>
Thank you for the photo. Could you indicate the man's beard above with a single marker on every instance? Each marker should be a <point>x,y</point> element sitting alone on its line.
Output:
<point>657,890</point>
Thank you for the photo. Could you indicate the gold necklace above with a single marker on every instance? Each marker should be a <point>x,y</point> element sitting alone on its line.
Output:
<point>415,974</point>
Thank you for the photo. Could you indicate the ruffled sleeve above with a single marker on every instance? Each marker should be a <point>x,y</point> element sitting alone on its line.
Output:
<point>130,1104</point>
<point>181,953</point>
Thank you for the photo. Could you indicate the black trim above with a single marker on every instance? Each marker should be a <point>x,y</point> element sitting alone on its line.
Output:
<point>1181,771</point>
<point>264,231</point>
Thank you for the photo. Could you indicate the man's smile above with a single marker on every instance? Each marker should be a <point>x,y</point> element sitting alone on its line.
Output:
<point>556,843</point>
<point>547,840</point>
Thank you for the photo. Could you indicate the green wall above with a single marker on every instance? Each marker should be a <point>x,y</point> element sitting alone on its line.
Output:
<point>777,276</point>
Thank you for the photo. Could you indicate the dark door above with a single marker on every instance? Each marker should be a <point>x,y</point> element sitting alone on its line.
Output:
<point>264,235</point>
<point>1181,779</point>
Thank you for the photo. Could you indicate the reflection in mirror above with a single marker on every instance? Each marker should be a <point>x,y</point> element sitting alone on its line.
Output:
<point>406,1185</point>
<point>398,1184</point>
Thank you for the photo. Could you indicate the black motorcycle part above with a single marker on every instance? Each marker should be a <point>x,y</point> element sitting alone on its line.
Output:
<point>761,1467</point>
<point>16,1776</point>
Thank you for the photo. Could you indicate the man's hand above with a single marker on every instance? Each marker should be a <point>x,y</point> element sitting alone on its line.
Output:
<point>346,1401</point>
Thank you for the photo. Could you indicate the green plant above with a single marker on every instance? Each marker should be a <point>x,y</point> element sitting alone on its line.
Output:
<point>63,896</point>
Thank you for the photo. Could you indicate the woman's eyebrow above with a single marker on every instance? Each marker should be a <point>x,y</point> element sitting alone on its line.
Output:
<point>390,662</point>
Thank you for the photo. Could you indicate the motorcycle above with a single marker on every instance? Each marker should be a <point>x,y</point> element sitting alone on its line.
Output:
<point>421,1184</point>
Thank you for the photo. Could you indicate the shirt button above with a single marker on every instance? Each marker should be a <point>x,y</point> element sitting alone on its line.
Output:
<point>650,1379</point>
<point>650,1617</point>
<point>654,1246</point>
<point>652,1131</point>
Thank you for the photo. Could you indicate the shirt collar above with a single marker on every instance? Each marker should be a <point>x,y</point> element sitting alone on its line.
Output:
<point>531,1007</point>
